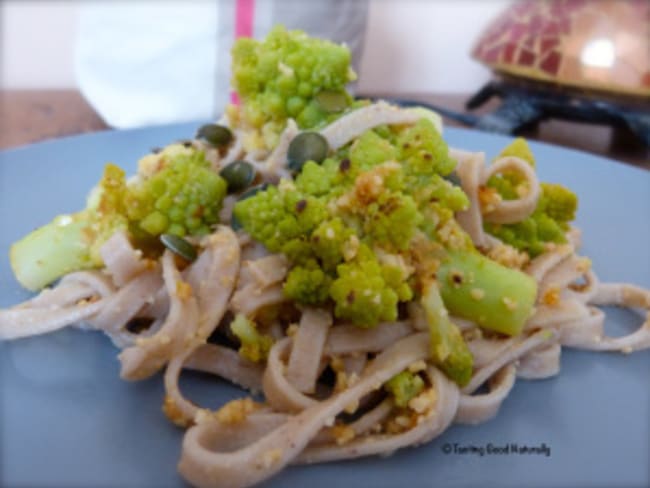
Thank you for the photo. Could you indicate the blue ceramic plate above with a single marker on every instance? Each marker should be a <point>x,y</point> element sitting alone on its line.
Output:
<point>66,419</point>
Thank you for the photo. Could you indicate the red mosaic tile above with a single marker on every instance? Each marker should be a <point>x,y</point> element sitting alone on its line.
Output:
<point>492,55</point>
<point>551,29</point>
<point>535,25</point>
<point>551,63</point>
<point>645,81</point>
<point>529,42</point>
<point>574,4</point>
<point>522,9</point>
<point>557,10</point>
<point>508,53</point>
<point>548,43</point>
<point>517,32</point>
<point>526,58</point>
<point>564,26</point>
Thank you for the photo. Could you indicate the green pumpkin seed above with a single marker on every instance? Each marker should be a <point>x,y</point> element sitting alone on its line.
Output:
<point>238,175</point>
<point>179,246</point>
<point>307,146</point>
<point>214,134</point>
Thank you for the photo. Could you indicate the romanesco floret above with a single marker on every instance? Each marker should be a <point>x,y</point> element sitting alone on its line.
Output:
<point>183,198</point>
<point>508,183</point>
<point>281,76</point>
<point>559,203</point>
<point>329,240</point>
<point>369,150</point>
<point>549,222</point>
<point>316,179</point>
<point>423,151</point>
<point>404,386</point>
<point>360,292</point>
<point>176,193</point>
<point>282,218</point>
<point>254,346</point>
<point>391,220</point>
<point>519,148</point>
<point>308,284</point>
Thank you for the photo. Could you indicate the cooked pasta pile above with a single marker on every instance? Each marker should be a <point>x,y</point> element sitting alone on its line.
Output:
<point>326,381</point>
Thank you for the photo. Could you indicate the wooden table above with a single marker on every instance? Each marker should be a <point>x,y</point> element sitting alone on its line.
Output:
<point>32,116</point>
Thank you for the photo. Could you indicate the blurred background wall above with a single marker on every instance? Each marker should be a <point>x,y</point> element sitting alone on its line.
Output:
<point>412,46</point>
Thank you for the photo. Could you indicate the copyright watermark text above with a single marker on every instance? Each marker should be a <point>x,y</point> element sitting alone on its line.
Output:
<point>493,449</point>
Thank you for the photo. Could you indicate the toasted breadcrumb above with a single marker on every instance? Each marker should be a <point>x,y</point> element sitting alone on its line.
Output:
<point>342,434</point>
<point>271,457</point>
<point>551,296</point>
<point>488,197</point>
<point>173,413</point>
<point>183,290</point>
<point>424,402</point>
<point>508,256</point>
<point>236,411</point>
<point>510,303</point>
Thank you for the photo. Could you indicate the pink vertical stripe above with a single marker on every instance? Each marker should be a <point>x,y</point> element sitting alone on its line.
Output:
<point>244,15</point>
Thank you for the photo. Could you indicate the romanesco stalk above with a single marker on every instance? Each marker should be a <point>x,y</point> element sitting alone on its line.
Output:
<point>72,242</point>
<point>448,348</point>
<point>491,295</point>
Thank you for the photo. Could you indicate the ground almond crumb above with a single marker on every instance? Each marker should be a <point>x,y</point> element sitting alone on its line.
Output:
<point>343,434</point>
<point>292,329</point>
<point>236,411</point>
<point>508,256</point>
<point>183,290</point>
<point>271,457</point>
<point>417,366</point>
<point>477,294</point>
<point>488,197</point>
<point>551,296</point>
<point>173,413</point>
<point>424,402</point>
<point>510,303</point>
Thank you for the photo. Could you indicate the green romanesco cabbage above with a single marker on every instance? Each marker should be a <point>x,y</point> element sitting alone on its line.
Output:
<point>519,147</point>
<point>308,284</point>
<point>549,222</point>
<point>176,194</point>
<point>507,183</point>
<point>285,75</point>
<point>556,208</point>
<point>282,218</point>
<point>254,346</point>
<point>183,198</point>
<point>404,386</point>
<point>329,242</point>
<point>361,293</point>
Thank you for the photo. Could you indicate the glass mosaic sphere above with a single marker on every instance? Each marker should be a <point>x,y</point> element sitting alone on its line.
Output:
<point>601,45</point>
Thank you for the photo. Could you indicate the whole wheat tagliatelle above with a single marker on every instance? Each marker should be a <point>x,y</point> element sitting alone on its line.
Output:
<point>323,378</point>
